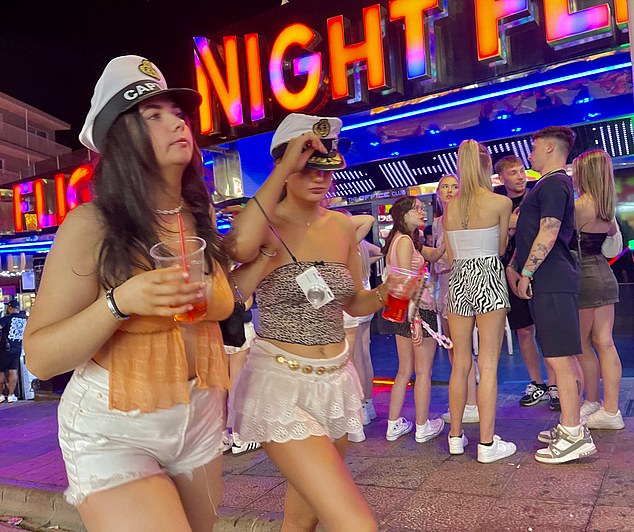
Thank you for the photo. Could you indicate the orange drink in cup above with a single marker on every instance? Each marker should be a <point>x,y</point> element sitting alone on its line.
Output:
<point>190,254</point>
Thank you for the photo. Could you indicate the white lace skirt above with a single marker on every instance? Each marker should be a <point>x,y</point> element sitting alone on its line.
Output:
<point>279,396</point>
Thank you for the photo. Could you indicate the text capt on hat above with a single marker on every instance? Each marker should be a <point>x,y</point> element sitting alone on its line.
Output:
<point>125,82</point>
<point>327,128</point>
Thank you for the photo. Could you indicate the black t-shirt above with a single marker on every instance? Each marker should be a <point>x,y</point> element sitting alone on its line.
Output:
<point>551,197</point>
<point>510,246</point>
<point>13,330</point>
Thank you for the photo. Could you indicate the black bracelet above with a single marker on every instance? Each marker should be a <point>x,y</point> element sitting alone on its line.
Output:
<point>112,306</point>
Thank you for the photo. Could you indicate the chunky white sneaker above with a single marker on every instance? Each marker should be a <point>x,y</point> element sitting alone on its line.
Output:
<point>498,450</point>
<point>603,420</point>
<point>12,398</point>
<point>356,437</point>
<point>589,407</point>
<point>565,447</point>
<point>2,398</point>
<point>396,429</point>
<point>470,415</point>
<point>431,429</point>
<point>365,414</point>
<point>369,406</point>
<point>457,443</point>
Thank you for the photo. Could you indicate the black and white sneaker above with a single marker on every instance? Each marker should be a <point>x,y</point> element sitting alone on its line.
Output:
<point>553,398</point>
<point>534,394</point>
<point>244,447</point>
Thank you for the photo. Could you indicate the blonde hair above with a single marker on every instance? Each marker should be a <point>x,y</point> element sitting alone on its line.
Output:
<point>594,176</point>
<point>439,206</point>
<point>474,172</point>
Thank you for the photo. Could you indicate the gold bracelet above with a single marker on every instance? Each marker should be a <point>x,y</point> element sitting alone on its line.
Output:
<point>380,297</point>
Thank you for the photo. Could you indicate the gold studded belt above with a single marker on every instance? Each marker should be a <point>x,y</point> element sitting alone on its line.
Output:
<point>308,369</point>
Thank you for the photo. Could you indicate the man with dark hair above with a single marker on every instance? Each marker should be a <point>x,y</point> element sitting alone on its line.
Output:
<point>544,262</point>
<point>12,326</point>
<point>512,174</point>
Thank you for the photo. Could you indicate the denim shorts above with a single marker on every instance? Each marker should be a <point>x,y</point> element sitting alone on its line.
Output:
<point>104,448</point>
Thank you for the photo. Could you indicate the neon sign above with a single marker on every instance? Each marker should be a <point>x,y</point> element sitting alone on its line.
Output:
<point>391,43</point>
<point>68,195</point>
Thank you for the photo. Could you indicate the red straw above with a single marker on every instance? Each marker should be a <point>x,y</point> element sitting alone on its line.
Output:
<point>181,234</point>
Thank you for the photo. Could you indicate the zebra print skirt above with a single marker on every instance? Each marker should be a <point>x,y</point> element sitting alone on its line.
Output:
<point>477,286</point>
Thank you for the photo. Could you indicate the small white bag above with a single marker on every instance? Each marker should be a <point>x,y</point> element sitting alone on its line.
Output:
<point>613,245</point>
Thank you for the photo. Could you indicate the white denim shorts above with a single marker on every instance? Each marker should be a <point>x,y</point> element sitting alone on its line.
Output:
<point>105,448</point>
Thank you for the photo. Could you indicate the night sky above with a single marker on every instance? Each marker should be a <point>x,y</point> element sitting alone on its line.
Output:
<point>52,53</point>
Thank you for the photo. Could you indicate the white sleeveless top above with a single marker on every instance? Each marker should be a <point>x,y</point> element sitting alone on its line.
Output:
<point>472,243</point>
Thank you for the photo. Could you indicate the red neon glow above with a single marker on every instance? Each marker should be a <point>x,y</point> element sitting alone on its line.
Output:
<point>310,65</point>
<point>228,91</point>
<point>412,13</point>
<point>254,75</point>
<point>620,8</point>
<point>38,189</point>
<point>488,15</point>
<point>60,197</point>
<point>18,220</point>
<point>562,24</point>
<point>203,87</point>
<point>78,190</point>
<point>370,50</point>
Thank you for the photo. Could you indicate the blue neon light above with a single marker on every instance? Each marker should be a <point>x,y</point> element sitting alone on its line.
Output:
<point>494,94</point>
<point>25,245</point>
<point>9,251</point>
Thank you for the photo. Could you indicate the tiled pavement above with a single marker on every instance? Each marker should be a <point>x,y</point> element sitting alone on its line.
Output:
<point>409,486</point>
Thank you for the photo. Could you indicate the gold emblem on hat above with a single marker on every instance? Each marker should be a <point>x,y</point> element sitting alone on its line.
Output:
<point>148,68</point>
<point>322,128</point>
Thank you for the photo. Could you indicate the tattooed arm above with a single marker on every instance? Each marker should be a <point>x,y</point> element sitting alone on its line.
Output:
<point>543,243</point>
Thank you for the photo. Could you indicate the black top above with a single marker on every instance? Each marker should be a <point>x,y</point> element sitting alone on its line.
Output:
<point>510,247</point>
<point>589,243</point>
<point>552,197</point>
<point>12,331</point>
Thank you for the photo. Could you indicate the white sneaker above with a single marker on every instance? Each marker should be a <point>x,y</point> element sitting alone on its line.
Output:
<point>470,415</point>
<point>244,447</point>
<point>12,399</point>
<point>457,443</point>
<point>431,429</point>
<point>356,437</point>
<point>603,420</point>
<point>589,407</point>
<point>564,447</point>
<point>491,453</point>
<point>370,408</point>
<point>2,398</point>
<point>365,414</point>
<point>396,429</point>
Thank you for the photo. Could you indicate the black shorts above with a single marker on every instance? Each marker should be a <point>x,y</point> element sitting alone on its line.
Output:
<point>403,329</point>
<point>9,360</point>
<point>520,314</point>
<point>556,316</point>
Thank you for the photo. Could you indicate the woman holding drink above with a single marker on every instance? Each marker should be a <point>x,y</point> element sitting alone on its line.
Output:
<point>140,422</point>
<point>475,231</point>
<point>298,393</point>
<point>403,249</point>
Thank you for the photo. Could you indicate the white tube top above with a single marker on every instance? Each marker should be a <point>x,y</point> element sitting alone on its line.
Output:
<point>472,243</point>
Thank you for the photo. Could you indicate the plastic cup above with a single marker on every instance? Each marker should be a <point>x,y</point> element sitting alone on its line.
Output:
<point>402,285</point>
<point>167,253</point>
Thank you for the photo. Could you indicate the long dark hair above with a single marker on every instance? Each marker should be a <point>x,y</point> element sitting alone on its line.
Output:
<point>398,211</point>
<point>123,181</point>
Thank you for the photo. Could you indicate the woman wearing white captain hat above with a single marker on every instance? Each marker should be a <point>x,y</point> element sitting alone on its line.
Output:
<point>299,394</point>
<point>140,422</point>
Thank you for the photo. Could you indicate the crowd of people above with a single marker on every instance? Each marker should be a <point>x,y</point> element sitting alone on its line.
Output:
<point>142,423</point>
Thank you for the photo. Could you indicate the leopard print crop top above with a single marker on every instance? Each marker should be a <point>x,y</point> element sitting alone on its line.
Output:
<point>286,315</point>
